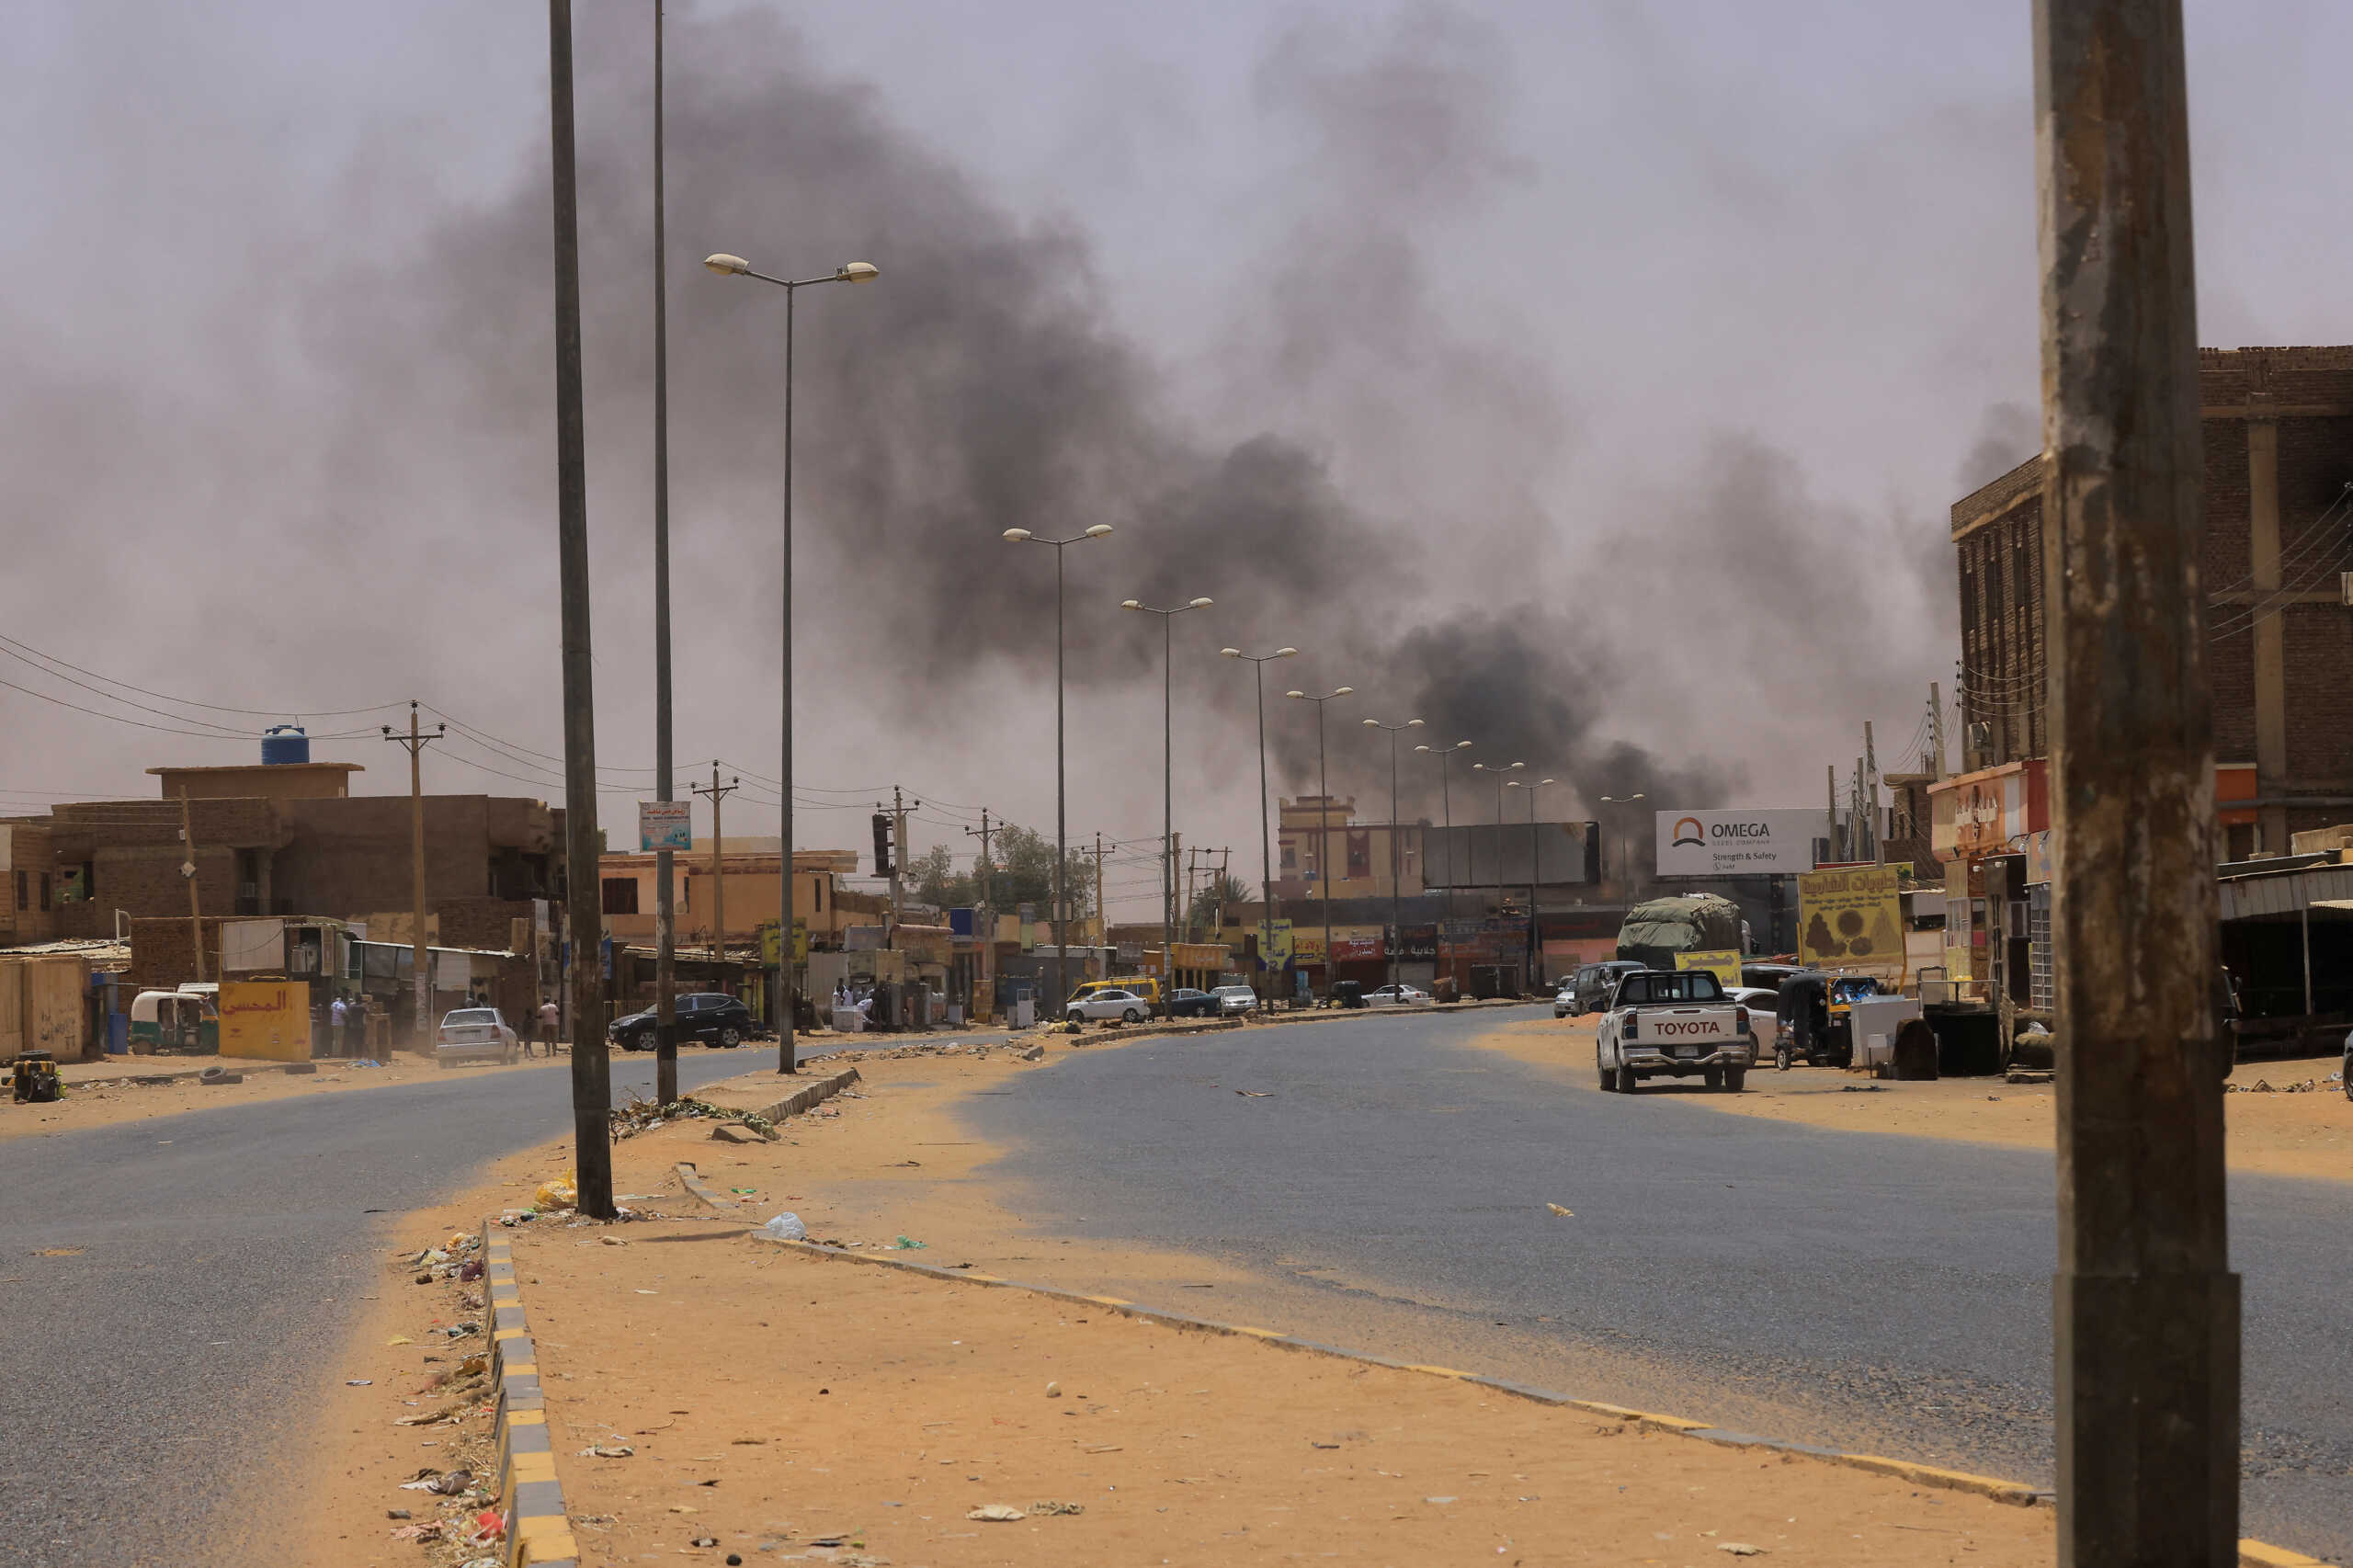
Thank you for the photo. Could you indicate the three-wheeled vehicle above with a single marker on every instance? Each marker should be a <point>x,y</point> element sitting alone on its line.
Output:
<point>1815,1021</point>
<point>174,1022</point>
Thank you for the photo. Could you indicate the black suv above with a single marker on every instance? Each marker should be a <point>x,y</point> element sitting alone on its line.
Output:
<point>706,1015</point>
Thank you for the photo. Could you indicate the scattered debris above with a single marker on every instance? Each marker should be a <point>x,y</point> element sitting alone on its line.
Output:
<point>359,1382</point>
<point>563,1192</point>
<point>606,1451</point>
<point>998,1513</point>
<point>2310,1086</point>
<point>1563,1213</point>
<point>1048,1510</point>
<point>1740,1549</point>
<point>906,1243</point>
<point>1861,1089</point>
<point>642,1115</point>
<point>1256,1094</point>
<point>786,1227</point>
<point>1053,1390</point>
<point>429,1530</point>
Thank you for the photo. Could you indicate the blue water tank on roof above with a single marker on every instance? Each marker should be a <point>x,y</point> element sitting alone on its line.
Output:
<point>285,742</point>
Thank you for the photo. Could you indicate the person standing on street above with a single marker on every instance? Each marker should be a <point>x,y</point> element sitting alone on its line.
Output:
<point>336,1016</point>
<point>549,1018</point>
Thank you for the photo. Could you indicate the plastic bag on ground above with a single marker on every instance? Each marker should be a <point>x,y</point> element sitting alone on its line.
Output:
<point>786,1228</point>
<point>563,1192</point>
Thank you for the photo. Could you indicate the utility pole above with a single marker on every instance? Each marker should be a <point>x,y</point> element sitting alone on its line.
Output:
<point>420,961</point>
<point>716,792</point>
<point>1936,731</point>
<point>592,1087</point>
<point>988,871</point>
<point>1224,875</point>
<point>1102,930</point>
<point>899,807</point>
<point>1870,784</point>
<point>1837,846</point>
<point>665,905</point>
<point>187,869</point>
<point>2146,1307</point>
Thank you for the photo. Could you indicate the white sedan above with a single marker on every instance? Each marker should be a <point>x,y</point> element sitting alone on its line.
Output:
<point>1397,997</point>
<point>1124,1006</point>
<point>1761,1003</point>
<point>475,1034</point>
<point>1233,1000</point>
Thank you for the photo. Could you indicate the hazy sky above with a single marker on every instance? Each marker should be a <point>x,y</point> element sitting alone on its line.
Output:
<point>1591,379</point>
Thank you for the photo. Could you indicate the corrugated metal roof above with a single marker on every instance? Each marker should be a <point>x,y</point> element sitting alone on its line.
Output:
<point>2247,898</point>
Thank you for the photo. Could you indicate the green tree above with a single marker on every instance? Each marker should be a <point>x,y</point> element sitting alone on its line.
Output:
<point>1201,916</point>
<point>1022,872</point>
<point>934,879</point>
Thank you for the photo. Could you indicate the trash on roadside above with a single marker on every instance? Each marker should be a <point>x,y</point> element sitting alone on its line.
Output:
<point>998,1513</point>
<point>907,1244</point>
<point>490,1525</point>
<point>1563,1213</point>
<point>786,1227</point>
<point>1053,1390</point>
<point>470,1272</point>
<point>398,1339</point>
<point>1256,1094</point>
<point>606,1451</point>
<point>1860,1089</point>
<point>704,1540</point>
<point>1047,1510</point>
<point>563,1192</point>
<point>359,1382</point>
<point>396,1513</point>
<point>1740,1549</point>
<point>429,1530</point>
<point>453,1484</point>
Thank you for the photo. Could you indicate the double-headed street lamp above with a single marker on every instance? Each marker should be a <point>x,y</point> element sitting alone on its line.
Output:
<point>1502,774</point>
<point>1535,959</point>
<point>1396,876</point>
<point>852,272</point>
<point>1061,852</point>
<point>1324,823</point>
<point>1266,844</point>
<point>1167,784</point>
<point>1445,755</point>
<point>1625,862</point>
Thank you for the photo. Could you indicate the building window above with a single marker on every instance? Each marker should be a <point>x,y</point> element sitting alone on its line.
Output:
<point>620,896</point>
<point>24,891</point>
<point>44,890</point>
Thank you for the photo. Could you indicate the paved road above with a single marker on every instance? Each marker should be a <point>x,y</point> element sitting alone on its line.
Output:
<point>144,1376</point>
<point>1845,1289</point>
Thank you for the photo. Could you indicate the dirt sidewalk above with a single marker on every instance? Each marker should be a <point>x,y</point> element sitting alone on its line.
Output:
<point>2306,1133</point>
<point>782,1406</point>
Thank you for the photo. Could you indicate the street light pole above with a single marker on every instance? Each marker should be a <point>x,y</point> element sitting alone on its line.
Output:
<point>1061,851</point>
<point>1323,826</point>
<point>1265,843</point>
<point>1445,755</point>
<point>1500,771</point>
<point>666,906</point>
<point>1167,786</point>
<point>1625,861</point>
<point>853,272</point>
<point>1396,873</point>
<point>1535,959</point>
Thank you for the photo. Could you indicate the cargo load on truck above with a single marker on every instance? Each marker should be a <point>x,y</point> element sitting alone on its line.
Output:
<point>1656,931</point>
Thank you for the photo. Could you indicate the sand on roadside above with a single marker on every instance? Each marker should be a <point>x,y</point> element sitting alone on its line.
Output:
<point>2307,1134</point>
<point>777,1400</point>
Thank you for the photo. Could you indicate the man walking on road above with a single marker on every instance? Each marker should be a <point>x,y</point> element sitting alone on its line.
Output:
<point>549,1018</point>
<point>336,1016</point>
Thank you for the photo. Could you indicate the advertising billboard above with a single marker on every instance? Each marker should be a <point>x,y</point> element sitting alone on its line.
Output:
<point>1743,843</point>
<point>1852,921</point>
<point>664,824</point>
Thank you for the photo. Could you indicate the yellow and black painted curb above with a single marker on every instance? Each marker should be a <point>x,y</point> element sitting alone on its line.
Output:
<point>2252,1553</point>
<point>538,1532</point>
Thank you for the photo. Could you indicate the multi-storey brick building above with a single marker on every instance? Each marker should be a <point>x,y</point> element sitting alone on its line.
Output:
<point>2278,493</point>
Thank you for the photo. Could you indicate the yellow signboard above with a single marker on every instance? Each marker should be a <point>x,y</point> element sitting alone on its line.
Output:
<point>266,1018</point>
<point>1277,941</point>
<point>1723,963</point>
<point>1852,920</point>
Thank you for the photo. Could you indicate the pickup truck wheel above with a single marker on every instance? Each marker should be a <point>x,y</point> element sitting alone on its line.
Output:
<point>1627,1082</point>
<point>1713,1077</point>
<point>1735,1079</point>
<point>1601,1069</point>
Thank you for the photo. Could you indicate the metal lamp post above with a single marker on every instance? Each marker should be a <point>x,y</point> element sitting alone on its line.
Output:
<point>1265,843</point>
<point>1501,772</point>
<point>852,272</point>
<point>1168,785</point>
<point>1061,851</point>
<point>1625,861</point>
<point>1396,874</point>
<point>1323,825</point>
<point>1535,869</point>
<point>1446,804</point>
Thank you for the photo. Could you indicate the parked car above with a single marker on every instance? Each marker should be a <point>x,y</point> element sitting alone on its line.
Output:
<point>1397,997</point>
<point>1564,1001</point>
<point>475,1034</point>
<point>1235,999</point>
<point>1186,1002</point>
<point>1591,984</point>
<point>1676,1022</point>
<point>1763,1002</point>
<point>1108,1003</point>
<point>707,1016</point>
<point>1145,987</point>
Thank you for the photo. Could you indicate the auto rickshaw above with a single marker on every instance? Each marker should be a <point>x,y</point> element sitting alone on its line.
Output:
<point>1815,1017</point>
<point>174,1022</point>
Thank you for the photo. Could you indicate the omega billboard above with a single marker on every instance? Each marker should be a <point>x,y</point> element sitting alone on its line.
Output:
<point>1739,842</point>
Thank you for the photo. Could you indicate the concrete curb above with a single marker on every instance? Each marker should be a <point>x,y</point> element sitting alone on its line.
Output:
<point>538,1532</point>
<point>2252,1553</point>
<point>805,1098</point>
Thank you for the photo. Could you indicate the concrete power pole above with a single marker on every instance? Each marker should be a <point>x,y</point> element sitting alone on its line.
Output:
<point>987,868</point>
<point>187,869</point>
<point>1102,931</point>
<point>665,900</point>
<point>2146,1307</point>
<point>1935,731</point>
<point>665,1043</point>
<point>1838,850</point>
<point>420,960</point>
<point>592,1086</point>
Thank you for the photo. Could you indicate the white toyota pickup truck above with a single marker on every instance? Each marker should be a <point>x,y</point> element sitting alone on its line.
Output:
<point>1674,1022</point>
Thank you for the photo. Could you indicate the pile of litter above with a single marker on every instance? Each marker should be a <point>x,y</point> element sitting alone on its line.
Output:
<point>910,1053</point>
<point>454,1258</point>
<point>2334,1082</point>
<point>642,1115</point>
